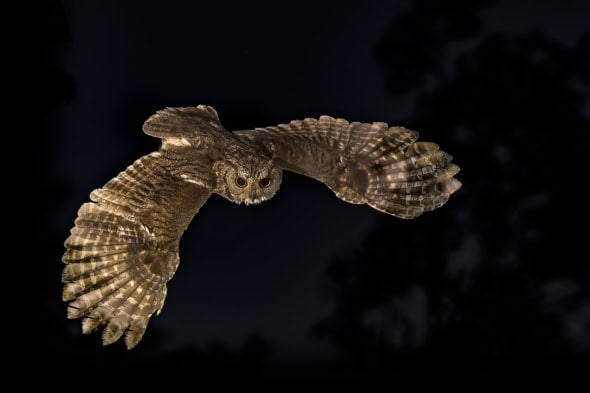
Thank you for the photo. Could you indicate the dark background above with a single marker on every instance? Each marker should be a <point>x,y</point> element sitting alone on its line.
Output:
<point>494,285</point>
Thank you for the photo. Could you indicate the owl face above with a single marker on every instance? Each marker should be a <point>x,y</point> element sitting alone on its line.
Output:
<point>249,181</point>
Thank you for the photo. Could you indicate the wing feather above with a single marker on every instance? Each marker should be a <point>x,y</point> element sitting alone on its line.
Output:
<point>188,122</point>
<point>123,248</point>
<point>384,167</point>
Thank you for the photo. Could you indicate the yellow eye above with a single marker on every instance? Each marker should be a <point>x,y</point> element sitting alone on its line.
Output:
<point>241,182</point>
<point>264,182</point>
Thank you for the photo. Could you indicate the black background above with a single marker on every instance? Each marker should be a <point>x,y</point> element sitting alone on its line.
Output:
<point>495,285</point>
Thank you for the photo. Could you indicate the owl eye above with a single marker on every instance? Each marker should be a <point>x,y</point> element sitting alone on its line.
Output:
<point>241,182</point>
<point>264,182</point>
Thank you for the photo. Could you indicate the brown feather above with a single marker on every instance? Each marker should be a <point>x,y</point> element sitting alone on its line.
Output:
<point>384,167</point>
<point>124,248</point>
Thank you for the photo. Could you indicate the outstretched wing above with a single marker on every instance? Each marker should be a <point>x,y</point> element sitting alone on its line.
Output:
<point>123,248</point>
<point>194,123</point>
<point>370,163</point>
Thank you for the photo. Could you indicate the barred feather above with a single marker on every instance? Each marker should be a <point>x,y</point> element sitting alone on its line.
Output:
<point>420,179</point>
<point>124,248</point>
<point>384,167</point>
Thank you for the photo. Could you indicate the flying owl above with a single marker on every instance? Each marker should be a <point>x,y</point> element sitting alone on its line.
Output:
<point>123,248</point>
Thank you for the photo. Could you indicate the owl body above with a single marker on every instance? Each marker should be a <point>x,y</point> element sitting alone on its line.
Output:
<point>124,247</point>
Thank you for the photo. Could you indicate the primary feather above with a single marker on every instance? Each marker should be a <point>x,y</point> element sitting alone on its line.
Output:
<point>123,248</point>
<point>365,163</point>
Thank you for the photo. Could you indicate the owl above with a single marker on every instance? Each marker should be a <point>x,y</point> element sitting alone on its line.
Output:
<point>123,248</point>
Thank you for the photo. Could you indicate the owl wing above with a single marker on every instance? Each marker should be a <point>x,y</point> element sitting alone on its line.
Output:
<point>197,125</point>
<point>123,248</point>
<point>370,163</point>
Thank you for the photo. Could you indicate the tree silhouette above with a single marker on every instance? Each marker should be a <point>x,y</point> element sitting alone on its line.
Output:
<point>48,338</point>
<point>501,272</point>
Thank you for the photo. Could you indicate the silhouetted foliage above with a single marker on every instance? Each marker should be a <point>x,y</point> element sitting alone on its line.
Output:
<point>415,46</point>
<point>498,278</point>
<point>501,271</point>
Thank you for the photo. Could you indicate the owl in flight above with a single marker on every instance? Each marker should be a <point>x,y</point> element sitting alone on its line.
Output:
<point>123,248</point>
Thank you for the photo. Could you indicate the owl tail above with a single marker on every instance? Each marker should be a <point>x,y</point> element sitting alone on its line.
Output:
<point>107,276</point>
<point>405,177</point>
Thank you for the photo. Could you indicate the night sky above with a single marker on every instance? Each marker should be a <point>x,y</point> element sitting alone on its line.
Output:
<point>305,285</point>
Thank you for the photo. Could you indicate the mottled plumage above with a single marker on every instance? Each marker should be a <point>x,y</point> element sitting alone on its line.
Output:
<point>123,248</point>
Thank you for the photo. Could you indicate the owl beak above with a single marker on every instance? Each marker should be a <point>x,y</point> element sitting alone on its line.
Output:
<point>254,201</point>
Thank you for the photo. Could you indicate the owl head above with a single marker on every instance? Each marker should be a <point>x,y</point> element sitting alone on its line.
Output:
<point>249,179</point>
